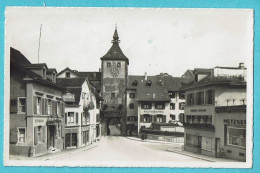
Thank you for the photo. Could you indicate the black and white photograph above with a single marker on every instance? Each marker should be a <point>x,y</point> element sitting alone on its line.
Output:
<point>128,87</point>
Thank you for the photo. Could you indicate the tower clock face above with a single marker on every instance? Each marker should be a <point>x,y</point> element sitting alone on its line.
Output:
<point>114,71</point>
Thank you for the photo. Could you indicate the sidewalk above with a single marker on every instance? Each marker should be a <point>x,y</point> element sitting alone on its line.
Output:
<point>49,156</point>
<point>178,150</point>
<point>151,141</point>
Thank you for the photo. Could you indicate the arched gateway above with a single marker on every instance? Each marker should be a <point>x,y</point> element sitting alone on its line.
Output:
<point>114,73</point>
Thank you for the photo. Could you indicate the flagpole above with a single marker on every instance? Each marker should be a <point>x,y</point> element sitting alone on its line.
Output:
<point>39,44</point>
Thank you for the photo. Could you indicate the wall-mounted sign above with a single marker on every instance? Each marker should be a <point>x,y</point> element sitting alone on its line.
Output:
<point>39,121</point>
<point>234,122</point>
<point>153,111</point>
<point>198,110</point>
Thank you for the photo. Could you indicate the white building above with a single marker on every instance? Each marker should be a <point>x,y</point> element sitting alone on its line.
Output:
<point>82,118</point>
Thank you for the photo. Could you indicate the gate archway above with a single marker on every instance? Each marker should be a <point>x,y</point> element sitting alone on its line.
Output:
<point>114,126</point>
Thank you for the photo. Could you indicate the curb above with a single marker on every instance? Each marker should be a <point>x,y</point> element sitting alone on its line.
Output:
<point>151,141</point>
<point>190,155</point>
<point>70,153</point>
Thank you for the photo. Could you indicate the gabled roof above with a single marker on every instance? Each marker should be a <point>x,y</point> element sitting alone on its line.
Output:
<point>71,82</point>
<point>202,70</point>
<point>67,69</point>
<point>40,65</point>
<point>77,94</point>
<point>115,52</point>
<point>90,75</point>
<point>20,62</point>
<point>155,92</point>
<point>214,80</point>
<point>51,70</point>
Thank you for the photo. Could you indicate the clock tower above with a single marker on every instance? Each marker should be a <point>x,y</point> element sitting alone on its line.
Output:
<point>114,74</point>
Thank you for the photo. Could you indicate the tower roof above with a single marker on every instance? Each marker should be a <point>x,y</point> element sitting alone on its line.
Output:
<point>115,52</point>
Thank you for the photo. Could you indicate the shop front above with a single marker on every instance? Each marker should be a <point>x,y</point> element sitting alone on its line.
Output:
<point>199,141</point>
<point>85,130</point>
<point>71,137</point>
<point>231,132</point>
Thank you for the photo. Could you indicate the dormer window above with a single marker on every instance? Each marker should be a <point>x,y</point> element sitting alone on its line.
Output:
<point>44,73</point>
<point>134,83</point>
<point>67,74</point>
<point>53,77</point>
<point>118,64</point>
<point>149,83</point>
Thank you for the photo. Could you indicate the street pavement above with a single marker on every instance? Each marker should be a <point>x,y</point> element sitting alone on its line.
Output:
<point>117,148</point>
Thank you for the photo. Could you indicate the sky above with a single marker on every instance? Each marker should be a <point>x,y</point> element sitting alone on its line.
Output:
<point>154,40</point>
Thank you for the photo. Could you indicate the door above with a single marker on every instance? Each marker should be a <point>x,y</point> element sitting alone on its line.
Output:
<point>74,140</point>
<point>50,138</point>
<point>67,140</point>
<point>217,147</point>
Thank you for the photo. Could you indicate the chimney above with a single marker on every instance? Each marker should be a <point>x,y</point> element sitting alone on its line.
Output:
<point>241,65</point>
<point>161,79</point>
<point>145,76</point>
<point>153,95</point>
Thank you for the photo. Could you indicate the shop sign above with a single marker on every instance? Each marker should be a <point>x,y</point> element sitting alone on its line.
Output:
<point>153,111</point>
<point>39,121</point>
<point>53,122</point>
<point>198,110</point>
<point>234,122</point>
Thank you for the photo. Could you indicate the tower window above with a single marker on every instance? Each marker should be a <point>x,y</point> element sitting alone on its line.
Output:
<point>108,64</point>
<point>118,64</point>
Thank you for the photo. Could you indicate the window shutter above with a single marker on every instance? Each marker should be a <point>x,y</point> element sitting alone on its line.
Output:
<point>55,103</point>
<point>213,97</point>
<point>66,114</point>
<point>35,135</point>
<point>164,118</point>
<point>43,106</point>
<point>60,110</point>
<point>141,118</point>
<point>77,118</point>
<point>154,118</point>
<point>14,105</point>
<point>46,106</point>
<point>63,108</point>
<point>206,97</point>
<point>81,118</point>
<point>52,108</point>
<point>34,104</point>
<point>43,134</point>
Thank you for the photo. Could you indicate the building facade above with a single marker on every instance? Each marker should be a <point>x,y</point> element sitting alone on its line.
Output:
<point>153,99</point>
<point>215,113</point>
<point>82,116</point>
<point>36,108</point>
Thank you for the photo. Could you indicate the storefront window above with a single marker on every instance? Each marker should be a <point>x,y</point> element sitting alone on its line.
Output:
<point>206,144</point>
<point>192,140</point>
<point>39,132</point>
<point>236,136</point>
<point>21,135</point>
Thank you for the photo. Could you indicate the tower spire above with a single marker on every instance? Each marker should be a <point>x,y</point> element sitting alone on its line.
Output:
<point>115,36</point>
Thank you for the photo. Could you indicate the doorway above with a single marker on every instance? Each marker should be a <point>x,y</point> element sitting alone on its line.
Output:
<point>217,147</point>
<point>51,136</point>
